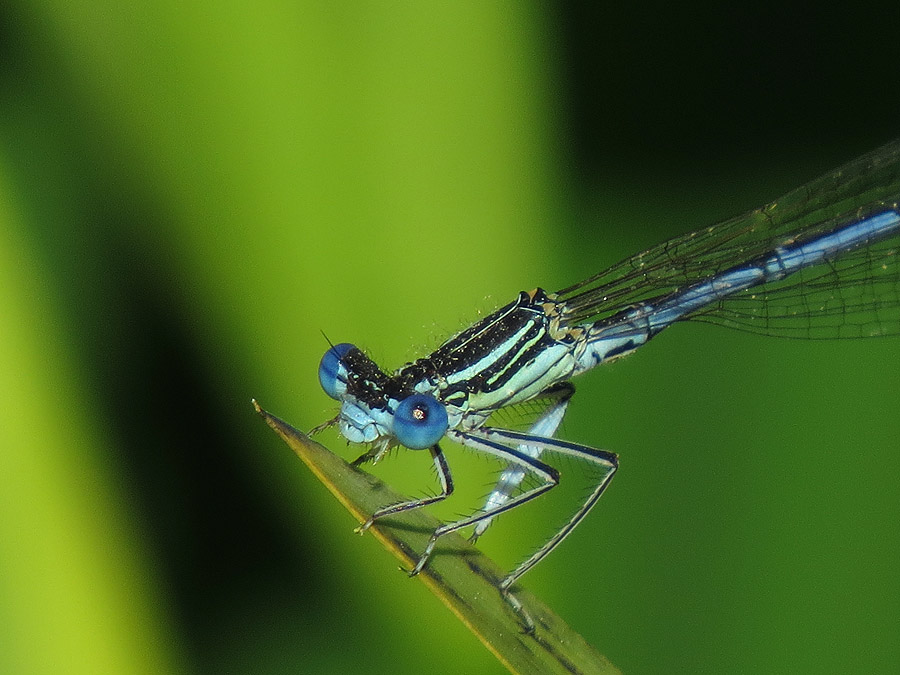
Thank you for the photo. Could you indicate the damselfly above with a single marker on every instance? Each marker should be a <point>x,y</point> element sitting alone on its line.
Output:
<point>821,262</point>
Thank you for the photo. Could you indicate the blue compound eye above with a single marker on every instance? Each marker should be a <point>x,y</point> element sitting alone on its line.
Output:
<point>332,372</point>
<point>420,421</point>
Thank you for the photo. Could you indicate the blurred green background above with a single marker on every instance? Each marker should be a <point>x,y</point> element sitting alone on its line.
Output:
<point>190,193</point>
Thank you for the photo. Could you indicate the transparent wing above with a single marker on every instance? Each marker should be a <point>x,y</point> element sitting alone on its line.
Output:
<point>855,295</point>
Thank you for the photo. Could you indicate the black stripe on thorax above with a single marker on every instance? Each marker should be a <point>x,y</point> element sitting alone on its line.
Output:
<point>527,313</point>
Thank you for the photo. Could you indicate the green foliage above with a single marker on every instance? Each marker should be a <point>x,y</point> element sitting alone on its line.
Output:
<point>191,193</point>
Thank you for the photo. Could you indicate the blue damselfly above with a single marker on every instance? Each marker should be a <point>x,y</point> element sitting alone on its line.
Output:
<point>821,262</point>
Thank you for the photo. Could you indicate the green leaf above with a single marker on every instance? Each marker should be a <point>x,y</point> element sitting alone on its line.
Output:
<point>459,574</point>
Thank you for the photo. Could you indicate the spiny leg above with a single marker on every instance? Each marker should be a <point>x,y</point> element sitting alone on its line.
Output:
<point>446,481</point>
<point>546,473</point>
<point>513,475</point>
<point>489,440</point>
<point>609,461</point>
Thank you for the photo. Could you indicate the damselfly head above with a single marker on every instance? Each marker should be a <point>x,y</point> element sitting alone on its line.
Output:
<point>376,408</point>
